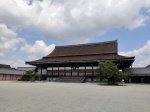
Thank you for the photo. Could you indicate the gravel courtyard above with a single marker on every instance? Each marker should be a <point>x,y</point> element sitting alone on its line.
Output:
<point>73,97</point>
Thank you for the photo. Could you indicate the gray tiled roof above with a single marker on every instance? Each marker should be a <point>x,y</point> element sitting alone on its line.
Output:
<point>138,71</point>
<point>4,66</point>
<point>26,68</point>
<point>11,71</point>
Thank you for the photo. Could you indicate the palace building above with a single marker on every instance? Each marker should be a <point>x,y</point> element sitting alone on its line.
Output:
<point>8,73</point>
<point>79,61</point>
<point>139,74</point>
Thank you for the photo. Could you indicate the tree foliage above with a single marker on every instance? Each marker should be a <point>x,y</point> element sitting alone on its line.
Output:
<point>30,75</point>
<point>108,70</point>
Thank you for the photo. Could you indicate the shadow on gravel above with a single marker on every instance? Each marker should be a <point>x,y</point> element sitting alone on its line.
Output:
<point>29,81</point>
<point>103,84</point>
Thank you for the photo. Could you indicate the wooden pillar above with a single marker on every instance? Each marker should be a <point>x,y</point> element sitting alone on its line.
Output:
<point>85,72</point>
<point>46,73</point>
<point>41,71</point>
<point>64,71</point>
<point>92,74</point>
<point>49,76</point>
<point>78,70</point>
<point>146,79</point>
<point>58,71</point>
<point>128,78</point>
<point>71,70</point>
<point>3,77</point>
<point>41,74</point>
<point>52,72</point>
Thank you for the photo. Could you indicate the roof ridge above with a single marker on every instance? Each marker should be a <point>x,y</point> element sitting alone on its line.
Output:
<point>88,44</point>
<point>82,55</point>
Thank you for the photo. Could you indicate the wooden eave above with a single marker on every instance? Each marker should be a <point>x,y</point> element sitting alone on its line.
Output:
<point>70,59</point>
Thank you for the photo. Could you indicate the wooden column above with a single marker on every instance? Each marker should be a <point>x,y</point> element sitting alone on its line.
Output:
<point>92,74</point>
<point>78,70</point>
<point>41,73</point>
<point>46,73</point>
<point>128,79</point>
<point>71,71</point>
<point>52,72</point>
<point>85,72</point>
<point>58,71</point>
<point>12,77</point>
<point>64,71</point>
<point>49,77</point>
<point>146,79</point>
<point>3,77</point>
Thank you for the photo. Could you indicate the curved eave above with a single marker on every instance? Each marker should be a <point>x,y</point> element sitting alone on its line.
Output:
<point>126,61</point>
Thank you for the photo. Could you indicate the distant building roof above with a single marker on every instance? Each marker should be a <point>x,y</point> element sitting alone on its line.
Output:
<point>6,69</point>
<point>11,71</point>
<point>148,66</point>
<point>138,71</point>
<point>26,68</point>
<point>4,66</point>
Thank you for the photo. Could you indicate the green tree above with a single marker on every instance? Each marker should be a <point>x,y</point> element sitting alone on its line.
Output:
<point>108,70</point>
<point>30,75</point>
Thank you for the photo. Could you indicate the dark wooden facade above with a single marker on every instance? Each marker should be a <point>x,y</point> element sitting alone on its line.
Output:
<point>80,60</point>
<point>138,75</point>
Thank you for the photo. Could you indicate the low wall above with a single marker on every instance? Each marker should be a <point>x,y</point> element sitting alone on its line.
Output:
<point>9,77</point>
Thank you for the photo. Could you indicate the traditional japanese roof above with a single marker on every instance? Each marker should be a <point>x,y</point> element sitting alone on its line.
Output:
<point>4,66</point>
<point>26,68</point>
<point>109,47</point>
<point>83,52</point>
<point>148,66</point>
<point>11,71</point>
<point>138,71</point>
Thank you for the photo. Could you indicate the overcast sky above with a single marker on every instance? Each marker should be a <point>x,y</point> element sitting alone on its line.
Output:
<point>30,29</point>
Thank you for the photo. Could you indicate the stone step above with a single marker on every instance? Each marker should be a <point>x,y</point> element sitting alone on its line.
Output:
<point>71,79</point>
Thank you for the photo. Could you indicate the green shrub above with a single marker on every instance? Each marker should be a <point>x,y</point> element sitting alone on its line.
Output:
<point>29,76</point>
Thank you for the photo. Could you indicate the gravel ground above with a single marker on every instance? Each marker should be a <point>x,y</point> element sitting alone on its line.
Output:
<point>73,97</point>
